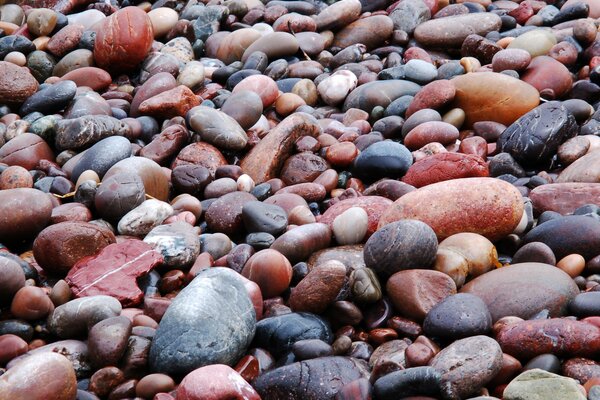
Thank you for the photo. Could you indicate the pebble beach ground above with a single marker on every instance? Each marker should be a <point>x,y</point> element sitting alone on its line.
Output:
<point>303,200</point>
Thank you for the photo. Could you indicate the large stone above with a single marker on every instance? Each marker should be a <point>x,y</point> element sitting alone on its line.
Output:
<point>452,31</point>
<point>534,138</point>
<point>381,160</point>
<point>266,159</point>
<point>275,45</point>
<point>444,167</point>
<point>40,377</point>
<point>319,378</point>
<point>217,128</point>
<point>490,96</point>
<point>233,46</point>
<point>537,384</point>
<point>103,155</point>
<point>487,206</point>
<point>211,321</point>
<point>155,181</point>
<point>75,317</point>
<point>564,198</point>
<point>467,365</point>
<point>50,99</point>
<point>23,213</point>
<point>25,150</point>
<point>113,271</point>
<point>374,206</point>
<point>568,235</point>
<point>299,243</point>
<point>123,39</point>
<point>523,290</point>
<point>370,31</point>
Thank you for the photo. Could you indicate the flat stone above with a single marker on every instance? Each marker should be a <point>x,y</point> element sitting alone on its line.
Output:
<point>379,93</point>
<point>113,271</point>
<point>370,31</point>
<point>584,169</point>
<point>107,341</point>
<point>50,99</point>
<point>216,306</point>
<point>171,103</point>
<point>416,381</point>
<point>25,150</point>
<point>537,384</point>
<point>338,15</point>
<point>155,182</point>
<point>319,288</point>
<point>523,290</point>
<point>458,316</point>
<point>453,30</point>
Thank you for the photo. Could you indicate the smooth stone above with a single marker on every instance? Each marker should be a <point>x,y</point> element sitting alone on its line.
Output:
<point>270,270</point>
<point>550,77</point>
<point>561,337</point>
<point>537,42</point>
<point>30,379</point>
<point>51,99</point>
<point>583,169</point>
<point>200,153</point>
<point>171,103</point>
<point>515,59</point>
<point>225,214</point>
<point>119,194</point>
<point>564,198</point>
<point>233,46</point>
<point>546,362</point>
<point>429,132</point>
<point>350,226</point>
<point>593,6</point>
<point>25,150</point>
<point>82,132</point>
<point>458,316</point>
<point>467,365</point>
<point>214,382</point>
<point>338,15</point>
<point>434,95</point>
<point>155,85</point>
<point>208,20</point>
<point>145,217</point>
<point>245,107</point>
<point>177,242</point>
<point>319,378</point>
<point>400,245</point>
<point>375,206</point>
<point>92,77</point>
<point>31,303</point>
<point>217,307</point>
<point>444,167</point>
<point>370,31</point>
<point>299,243</point>
<point>262,85</point>
<point>24,213</point>
<point>568,235</point>
<point>65,40</point>
<point>462,205</point>
<point>585,305</point>
<point>275,45</point>
<point>12,278</point>
<point>217,128</point>
<point>538,384</point>
<point>151,174</point>
<point>163,19</point>
<point>303,167</point>
<point>107,341</point>
<point>534,252</point>
<point>383,159</point>
<point>165,146</point>
<point>452,31</point>
<point>123,39</point>
<point>192,75</point>
<point>152,384</point>
<point>489,96</point>
<point>319,288</point>
<point>350,256</point>
<point>11,346</point>
<point>262,217</point>
<point>414,293</point>
<point>334,89</point>
<point>543,287</point>
<point>75,317</point>
<point>114,271</point>
<point>417,381</point>
<point>102,156</point>
<point>16,83</point>
<point>266,159</point>
<point>58,247</point>
<point>533,143</point>
<point>379,93</point>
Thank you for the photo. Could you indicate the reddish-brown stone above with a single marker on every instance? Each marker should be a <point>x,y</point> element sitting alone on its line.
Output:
<point>114,271</point>
<point>11,346</point>
<point>93,77</point>
<point>308,191</point>
<point>375,206</point>
<point>488,206</point>
<point>16,83</point>
<point>562,337</point>
<point>200,153</point>
<point>123,40</point>
<point>65,40</point>
<point>25,150</point>
<point>432,131</point>
<point>166,145</point>
<point>171,103</point>
<point>265,159</point>
<point>581,369</point>
<point>444,167</point>
<point>551,78</point>
<point>23,213</point>
<point>270,270</point>
<point>215,382</point>
<point>564,198</point>
<point>58,247</point>
<point>319,288</point>
<point>433,95</point>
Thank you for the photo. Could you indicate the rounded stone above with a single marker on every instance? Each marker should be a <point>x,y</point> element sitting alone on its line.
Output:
<point>119,194</point>
<point>270,270</point>
<point>23,213</point>
<point>453,30</point>
<point>107,341</point>
<point>31,303</point>
<point>319,288</point>
<point>214,382</point>
<point>152,384</point>
<point>102,156</point>
<point>384,159</point>
<point>458,316</point>
<point>12,278</point>
<point>350,226</point>
<point>401,245</point>
<point>225,214</point>
<point>26,150</point>
<point>536,42</point>
<point>155,182</point>
<point>163,19</point>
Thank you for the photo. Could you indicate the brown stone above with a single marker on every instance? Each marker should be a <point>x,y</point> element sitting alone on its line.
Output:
<point>171,103</point>
<point>581,369</point>
<point>370,31</point>
<point>275,45</point>
<point>15,177</point>
<point>31,303</point>
<point>490,96</point>
<point>58,247</point>
<point>95,78</point>
<point>415,292</point>
<point>233,46</point>
<point>266,159</point>
<point>452,31</point>
<point>299,243</point>
<point>562,337</point>
<point>65,40</point>
<point>155,181</point>
<point>16,83</point>
<point>215,382</point>
<point>429,132</point>
<point>23,213</point>
<point>225,214</point>
<point>270,270</point>
<point>523,290</point>
<point>584,169</point>
<point>488,206</point>
<point>200,153</point>
<point>155,85</point>
<point>26,150</point>
<point>550,77</point>
<point>11,346</point>
<point>123,39</point>
<point>319,288</point>
<point>308,191</point>
<point>302,168</point>
<point>434,95</point>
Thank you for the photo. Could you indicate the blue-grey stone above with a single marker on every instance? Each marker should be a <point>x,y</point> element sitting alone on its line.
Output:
<point>458,316</point>
<point>420,71</point>
<point>51,99</point>
<point>211,321</point>
<point>103,155</point>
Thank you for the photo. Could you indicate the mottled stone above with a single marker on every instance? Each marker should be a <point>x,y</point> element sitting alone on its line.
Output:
<point>444,167</point>
<point>216,306</point>
<point>16,83</point>
<point>564,198</point>
<point>177,242</point>
<point>214,382</point>
<point>145,217</point>
<point>171,103</point>
<point>584,169</point>
<point>319,288</point>
<point>537,384</point>
<point>452,31</point>
<point>85,131</point>
<point>107,341</point>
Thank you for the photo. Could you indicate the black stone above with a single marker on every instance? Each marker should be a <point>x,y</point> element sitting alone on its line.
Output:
<point>585,305</point>
<point>16,327</point>
<point>278,334</point>
<point>211,321</point>
<point>209,20</point>
<point>384,159</point>
<point>418,381</point>
<point>18,43</point>
<point>41,65</point>
<point>118,195</point>
<point>547,362</point>
<point>103,155</point>
<point>262,217</point>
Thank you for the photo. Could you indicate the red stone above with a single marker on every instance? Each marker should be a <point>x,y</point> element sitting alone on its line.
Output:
<point>200,153</point>
<point>444,167</point>
<point>564,198</point>
<point>215,382</point>
<point>551,78</point>
<point>123,40</point>
<point>171,103</point>
<point>562,337</point>
<point>433,95</point>
<point>11,346</point>
<point>248,368</point>
<point>428,132</point>
<point>522,13</point>
<point>114,271</point>
<point>25,150</point>
<point>95,78</point>
<point>375,206</point>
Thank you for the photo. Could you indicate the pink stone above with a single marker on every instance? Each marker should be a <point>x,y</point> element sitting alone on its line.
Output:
<point>262,85</point>
<point>428,132</point>
<point>113,271</point>
<point>443,167</point>
<point>375,206</point>
<point>433,95</point>
<point>215,382</point>
<point>564,198</point>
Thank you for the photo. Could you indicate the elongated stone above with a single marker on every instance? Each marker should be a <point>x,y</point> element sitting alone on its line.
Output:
<point>564,198</point>
<point>217,128</point>
<point>85,131</point>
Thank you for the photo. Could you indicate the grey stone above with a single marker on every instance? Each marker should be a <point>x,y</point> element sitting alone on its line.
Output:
<point>458,316</point>
<point>409,14</point>
<point>211,321</point>
<point>263,217</point>
<point>217,128</point>
<point>50,99</point>
<point>177,242</point>
<point>75,317</point>
<point>85,131</point>
<point>537,384</point>
<point>103,155</point>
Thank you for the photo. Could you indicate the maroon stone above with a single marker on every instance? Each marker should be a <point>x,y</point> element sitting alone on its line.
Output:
<point>114,271</point>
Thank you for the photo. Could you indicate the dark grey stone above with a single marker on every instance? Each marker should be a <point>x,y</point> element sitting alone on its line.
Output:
<point>458,316</point>
<point>419,381</point>
<point>51,99</point>
<point>217,128</point>
<point>211,321</point>
<point>262,217</point>
<point>85,131</point>
<point>103,155</point>
<point>383,159</point>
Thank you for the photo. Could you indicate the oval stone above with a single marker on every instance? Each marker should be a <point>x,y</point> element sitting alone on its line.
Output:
<point>444,167</point>
<point>584,169</point>
<point>458,316</point>
<point>25,150</point>
<point>217,128</point>
<point>490,96</point>
<point>155,182</point>
<point>370,32</point>
<point>523,290</point>
<point>453,30</point>
<point>16,83</point>
<point>24,213</point>
<point>379,93</point>
<point>102,156</point>
<point>215,382</point>
<point>299,243</point>
<point>216,306</point>
<point>275,45</point>
<point>383,159</point>
<point>487,206</point>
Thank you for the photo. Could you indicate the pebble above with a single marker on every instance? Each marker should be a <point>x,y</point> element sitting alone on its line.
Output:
<point>319,288</point>
<point>299,243</point>
<point>107,341</point>
<point>215,305</point>
<point>536,42</point>
<point>540,383</point>
<point>24,213</point>
<point>383,159</point>
<point>177,242</point>
<point>270,270</point>
<point>214,382</point>
<point>452,31</point>
<point>458,316</point>
<point>76,316</point>
<point>13,279</point>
